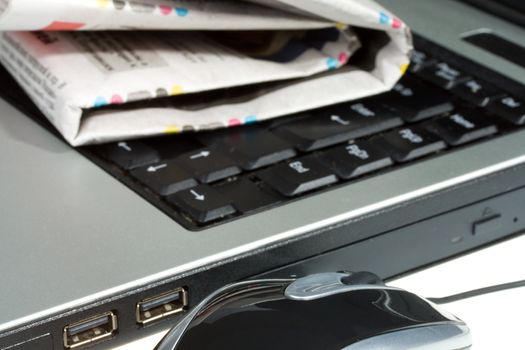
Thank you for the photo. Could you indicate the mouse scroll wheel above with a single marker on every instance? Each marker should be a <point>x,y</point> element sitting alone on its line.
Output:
<point>362,278</point>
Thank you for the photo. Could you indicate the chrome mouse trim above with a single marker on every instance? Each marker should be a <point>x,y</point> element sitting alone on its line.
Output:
<point>322,285</point>
<point>173,337</point>
<point>450,334</point>
<point>435,337</point>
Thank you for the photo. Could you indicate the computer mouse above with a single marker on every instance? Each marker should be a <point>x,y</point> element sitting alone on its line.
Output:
<point>350,311</point>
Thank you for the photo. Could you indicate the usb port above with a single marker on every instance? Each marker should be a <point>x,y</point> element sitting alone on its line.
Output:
<point>161,306</point>
<point>90,330</point>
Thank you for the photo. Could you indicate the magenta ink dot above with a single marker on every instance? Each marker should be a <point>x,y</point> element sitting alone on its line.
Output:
<point>343,57</point>
<point>396,23</point>
<point>116,100</point>
<point>165,10</point>
<point>234,122</point>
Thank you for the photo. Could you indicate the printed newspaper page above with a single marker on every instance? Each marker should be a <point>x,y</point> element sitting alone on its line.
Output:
<point>232,62</point>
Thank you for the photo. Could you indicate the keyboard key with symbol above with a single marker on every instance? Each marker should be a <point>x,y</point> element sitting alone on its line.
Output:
<point>172,146</point>
<point>298,176</point>
<point>355,159</point>
<point>420,60</point>
<point>339,124</point>
<point>477,92</point>
<point>410,143</point>
<point>164,178</point>
<point>443,75</point>
<point>208,165</point>
<point>251,147</point>
<point>463,127</point>
<point>129,154</point>
<point>510,108</point>
<point>202,203</point>
<point>415,100</point>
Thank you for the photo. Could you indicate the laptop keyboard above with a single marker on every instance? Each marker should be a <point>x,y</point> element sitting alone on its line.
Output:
<point>208,178</point>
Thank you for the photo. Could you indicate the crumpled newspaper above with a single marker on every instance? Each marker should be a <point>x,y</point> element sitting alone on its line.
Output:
<point>169,66</point>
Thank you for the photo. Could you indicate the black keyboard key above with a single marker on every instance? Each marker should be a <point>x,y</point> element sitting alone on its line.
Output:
<point>420,60</point>
<point>355,159</point>
<point>477,92</point>
<point>463,127</point>
<point>510,108</point>
<point>164,178</point>
<point>251,147</point>
<point>315,131</point>
<point>410,143</point>
<point>339,124</point>
<point>202,203</point>
<point>247,196</point>
<point>298,176</point>
<point>443,75</point>
<point>415,100</point>
<point>208,165</point>
<point>170,147</point>
<point>129,154</point>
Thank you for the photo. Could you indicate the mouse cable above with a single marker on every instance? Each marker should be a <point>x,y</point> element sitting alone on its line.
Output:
<point>478,292</point>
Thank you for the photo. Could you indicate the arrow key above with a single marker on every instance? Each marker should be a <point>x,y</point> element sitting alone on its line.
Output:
<point>208,165</point>
<point>129,154</point>
<point>251,146</point>
<point>164,178</point>
<point>202,203</point>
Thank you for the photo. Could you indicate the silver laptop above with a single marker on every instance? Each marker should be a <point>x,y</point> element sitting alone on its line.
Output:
<point>98,247</point>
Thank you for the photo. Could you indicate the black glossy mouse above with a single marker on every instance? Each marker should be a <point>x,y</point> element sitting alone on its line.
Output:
<point>318,312</point>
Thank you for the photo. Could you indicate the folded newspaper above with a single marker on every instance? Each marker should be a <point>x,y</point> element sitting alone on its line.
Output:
<point>106,70</point>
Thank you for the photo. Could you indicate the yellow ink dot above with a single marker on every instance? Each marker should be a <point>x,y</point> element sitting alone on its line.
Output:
<point>176,90</point>
<point>103,3</point>
<point>172,129</point>
<point>404,68</point>
<point>341,26</point>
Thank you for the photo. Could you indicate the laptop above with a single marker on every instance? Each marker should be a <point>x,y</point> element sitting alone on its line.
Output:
<point>101,245</point>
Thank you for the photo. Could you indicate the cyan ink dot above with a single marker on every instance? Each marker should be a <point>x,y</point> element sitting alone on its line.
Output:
<point>250,119</point>
<point>181,11</point>
<point>331,63</point>
<point>384,18</point>
<point>100,102</point>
